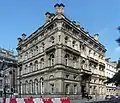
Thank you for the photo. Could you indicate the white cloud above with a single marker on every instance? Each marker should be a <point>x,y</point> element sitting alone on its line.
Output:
<point>117,49</point>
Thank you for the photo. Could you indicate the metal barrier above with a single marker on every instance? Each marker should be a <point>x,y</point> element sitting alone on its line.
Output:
<point>34,100</point>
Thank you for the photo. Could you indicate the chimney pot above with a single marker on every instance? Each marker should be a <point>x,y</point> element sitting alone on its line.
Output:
<point>59,8</point>
<point>96,36</point>
<point>23,36</point>
<point>48,15</point>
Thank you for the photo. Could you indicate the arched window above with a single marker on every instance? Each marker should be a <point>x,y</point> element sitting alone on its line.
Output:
<point>41,85</point>
<point>74,62</point>
<point>21,88</point>
<point>51,60</point>
<point>42,63</point>
<point>36,65</point>
<point>31,67</point>
<point>36,50</point>
<point>66,40</point>
<point>66,59</point>
<point>67,89</point>
<point>75,88</point>
<point>36,86</point>
<point>26,87</point>
<point>31,86</point>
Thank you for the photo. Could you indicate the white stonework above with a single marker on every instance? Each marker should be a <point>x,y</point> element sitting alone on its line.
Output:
<point>110,70</point>
<point>61,58</point>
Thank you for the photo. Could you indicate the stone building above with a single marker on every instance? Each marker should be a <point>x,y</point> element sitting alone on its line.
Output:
<point>110,70</point>
<point>60,58</point>
<point>8,73</point>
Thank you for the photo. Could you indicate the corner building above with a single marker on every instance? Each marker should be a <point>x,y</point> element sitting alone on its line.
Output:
<point>60,58</point>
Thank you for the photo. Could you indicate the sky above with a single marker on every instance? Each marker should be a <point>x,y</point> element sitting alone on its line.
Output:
<point>96,16</point>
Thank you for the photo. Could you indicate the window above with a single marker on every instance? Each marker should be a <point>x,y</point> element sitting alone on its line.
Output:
<point>67,89</point>
<point>26,87</point>
<point>66,59</point>
<point>75,89</point>
<point>52,88</point>
<point>26,55</point>
<point>31,53</point>
<point>36,65</point>
<point>41,85</point>
<point>52,39</point>
<point>31,67</point>
<point>43,47</point>
<point>73,44</point>
<point>36,86</point>
<point>74,62</point>
<point>42,63</point>
<point>36,49</point>
<point>89,51</point>
<point>66,39</point>
<point>31,86</point>
<point>25,69</point>
<point>51,59</point>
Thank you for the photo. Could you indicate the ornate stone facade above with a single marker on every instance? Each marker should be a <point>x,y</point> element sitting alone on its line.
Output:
<point>60,58</point>
<point>8,73</point>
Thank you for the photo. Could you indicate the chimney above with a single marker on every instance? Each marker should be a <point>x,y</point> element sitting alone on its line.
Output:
<point>96,36</point>
<point>23,36</point>
<point>59,8</point>
<point>19,40</point>
<point>47,15</point>
<point>78,24</point>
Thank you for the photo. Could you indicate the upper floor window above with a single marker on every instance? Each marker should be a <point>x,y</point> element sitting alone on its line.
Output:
<point>36,49</point>
<point>43,46</point>
<point>42,63</point>
<point>73,43</point>
<point>36,65</point>
<point>66,39</point>
<point>74,62</point>
<point>66,59</point>
<point>31,67</point>
<point>52,39</point>
<point>26,68</point>
<point>31,53</point>
<point>26,55</point>
<point>51,59</point>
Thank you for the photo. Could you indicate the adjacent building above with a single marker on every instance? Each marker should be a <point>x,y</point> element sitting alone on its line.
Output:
<point>110,71</point>
<point>8,73</point>
<point>60,58</point>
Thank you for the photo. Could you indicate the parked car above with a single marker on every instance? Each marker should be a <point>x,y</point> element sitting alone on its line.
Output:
<point>110,97</point>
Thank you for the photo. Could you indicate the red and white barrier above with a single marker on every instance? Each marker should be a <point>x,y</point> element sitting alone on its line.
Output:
<point>34,100</point>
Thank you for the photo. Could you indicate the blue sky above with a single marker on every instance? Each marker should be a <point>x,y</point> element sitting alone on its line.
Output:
<point>25,16</point>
